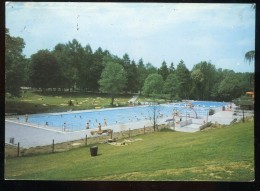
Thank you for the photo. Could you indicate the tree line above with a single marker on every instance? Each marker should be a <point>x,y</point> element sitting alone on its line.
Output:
<point>71,66</point>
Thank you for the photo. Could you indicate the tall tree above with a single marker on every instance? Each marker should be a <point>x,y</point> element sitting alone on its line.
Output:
<point>88,49</point>
<point>141,74</point>
<point>250,55</point>
<point>184,80</point>
<point>76,55</point>
<point>172,68</point>
<point>198,81</point>
<point>132,81</point>
<point>171,86</point>
<point>150,69</point>
<point>113,80</point>
<point>15,63</point>
<point>45,70</point>
<point>61,52</point>
<point>163,70</point>
<point>207,74</point>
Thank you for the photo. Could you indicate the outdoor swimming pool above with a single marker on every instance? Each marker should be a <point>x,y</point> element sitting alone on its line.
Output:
<point>76,120</point>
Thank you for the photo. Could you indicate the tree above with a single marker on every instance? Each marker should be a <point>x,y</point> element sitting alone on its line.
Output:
<point>88,49</point>
<point>76,55</point>
<point>15,63</point>
<point>205,78</point>
<point>154,115</point>
<point>172,68</point>
<point>163,70</point>
<point>92,66</point>
<point>141,74</point>
<point>113,79</point>
<point>132,81</point>
<point>45,70</point>
<point>230,88</point>
<point>61,53</point>
<point>170,86</point>
<point>198,81</point>
<point>183,79</point>
<point>126,59</point>
<point>153,85</point>
<point>250,55</point>
<point>150,69</point>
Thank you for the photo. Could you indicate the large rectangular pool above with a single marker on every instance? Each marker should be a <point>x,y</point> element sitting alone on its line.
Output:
<point>76,120</point>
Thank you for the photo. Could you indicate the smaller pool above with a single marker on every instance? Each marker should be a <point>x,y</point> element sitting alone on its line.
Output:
<point>76,120</point>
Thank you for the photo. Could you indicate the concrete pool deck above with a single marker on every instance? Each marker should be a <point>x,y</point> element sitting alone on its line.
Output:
<point>32,136</point>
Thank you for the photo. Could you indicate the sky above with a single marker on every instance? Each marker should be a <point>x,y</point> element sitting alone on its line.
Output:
<point>155,32</point>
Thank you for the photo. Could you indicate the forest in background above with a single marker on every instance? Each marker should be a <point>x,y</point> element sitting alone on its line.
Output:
<point>75,67</point>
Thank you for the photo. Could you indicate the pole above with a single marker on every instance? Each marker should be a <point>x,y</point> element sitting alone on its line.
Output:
<point>86,141</point>
<point>129,133</point>
<point>207,115</point>
<point>144,130</point>
<point>53,145</point>
<point>243,116</point>
<point>111,134</point>
<point>18,149</point>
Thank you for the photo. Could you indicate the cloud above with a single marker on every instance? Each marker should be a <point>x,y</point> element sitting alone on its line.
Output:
<point>154,31</point>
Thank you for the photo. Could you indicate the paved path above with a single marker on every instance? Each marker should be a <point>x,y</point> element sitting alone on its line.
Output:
<point>133,99</point>
<point>30,136</point>
<point>221,117</point>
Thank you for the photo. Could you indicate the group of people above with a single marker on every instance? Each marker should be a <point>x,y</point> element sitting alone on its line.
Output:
<point>99,125</point>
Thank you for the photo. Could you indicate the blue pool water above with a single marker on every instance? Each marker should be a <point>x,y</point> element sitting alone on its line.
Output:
<point>77,120</point>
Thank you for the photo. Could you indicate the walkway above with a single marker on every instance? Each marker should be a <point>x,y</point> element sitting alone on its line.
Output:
<point>221,117</point>
<point>133,99</point>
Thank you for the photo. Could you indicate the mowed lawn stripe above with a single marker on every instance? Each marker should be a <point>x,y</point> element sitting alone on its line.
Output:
<point>216,154</point>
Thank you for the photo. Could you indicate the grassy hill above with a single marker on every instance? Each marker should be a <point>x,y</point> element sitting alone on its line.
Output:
<point>38,102</point>
<point>221,154</point>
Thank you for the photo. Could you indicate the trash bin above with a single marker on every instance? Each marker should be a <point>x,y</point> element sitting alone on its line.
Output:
<point>11,140</point>
<point>93,151</point>
<point>223,108</point>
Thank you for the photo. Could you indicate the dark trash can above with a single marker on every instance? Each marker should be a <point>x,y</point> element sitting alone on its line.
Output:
<point>223,108</point>
<point>11,140</point>
<point>93,151</point>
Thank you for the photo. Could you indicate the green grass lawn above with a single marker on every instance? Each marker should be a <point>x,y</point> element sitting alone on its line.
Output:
<point>221,154</point>
<point>37,102</point>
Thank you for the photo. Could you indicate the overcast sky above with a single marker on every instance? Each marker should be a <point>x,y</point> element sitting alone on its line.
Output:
<point>220,33</point>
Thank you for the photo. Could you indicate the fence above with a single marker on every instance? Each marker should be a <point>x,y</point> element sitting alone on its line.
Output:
<point>12,150</point>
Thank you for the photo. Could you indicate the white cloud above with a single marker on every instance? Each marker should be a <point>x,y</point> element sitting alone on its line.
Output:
<point>153,31</point>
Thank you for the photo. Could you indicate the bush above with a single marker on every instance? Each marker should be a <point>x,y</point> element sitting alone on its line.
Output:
<point>70,103</point>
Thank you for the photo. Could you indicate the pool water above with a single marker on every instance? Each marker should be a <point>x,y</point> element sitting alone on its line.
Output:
<point>76,120</point>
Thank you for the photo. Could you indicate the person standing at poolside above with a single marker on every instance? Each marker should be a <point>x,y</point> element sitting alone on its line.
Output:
<point>105,122</point>
<point>99,127</point>
<point>26,117</point>
<point>87,125</point>
<point>64,126</point>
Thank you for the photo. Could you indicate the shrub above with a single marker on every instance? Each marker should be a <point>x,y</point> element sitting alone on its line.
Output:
<point>70,103</point>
